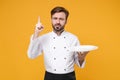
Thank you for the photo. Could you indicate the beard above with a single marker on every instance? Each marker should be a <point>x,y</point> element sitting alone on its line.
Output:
<point>58,27</point>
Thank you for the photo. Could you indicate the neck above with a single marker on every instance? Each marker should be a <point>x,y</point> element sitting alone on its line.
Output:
<point>58,32</point>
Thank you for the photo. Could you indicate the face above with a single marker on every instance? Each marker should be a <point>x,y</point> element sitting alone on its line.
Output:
<point>58,21</point>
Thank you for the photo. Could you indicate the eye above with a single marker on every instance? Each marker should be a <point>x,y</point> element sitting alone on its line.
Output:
<point>62,19</point>
<point>54,18</point>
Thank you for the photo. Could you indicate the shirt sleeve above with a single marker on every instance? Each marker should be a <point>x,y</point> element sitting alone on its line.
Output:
<point>34,48</point>
<point>77,43</point>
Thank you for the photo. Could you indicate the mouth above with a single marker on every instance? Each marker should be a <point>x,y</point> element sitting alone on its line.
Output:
<point>57,26</point>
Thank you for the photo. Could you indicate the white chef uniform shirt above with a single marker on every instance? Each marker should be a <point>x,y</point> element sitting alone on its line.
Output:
<point>58,58</point>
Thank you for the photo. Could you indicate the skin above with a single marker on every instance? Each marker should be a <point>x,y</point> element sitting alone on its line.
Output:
<point>58,21</point>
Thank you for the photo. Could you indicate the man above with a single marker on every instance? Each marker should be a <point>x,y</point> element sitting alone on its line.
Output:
<point>59,60</point>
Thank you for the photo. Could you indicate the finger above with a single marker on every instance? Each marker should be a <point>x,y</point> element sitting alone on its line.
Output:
<point>40,28</point>
<point>38,19</point>
<point>38,25</point>
<point>80,53</point>
<point>86,52</point>
<point>39,22</point>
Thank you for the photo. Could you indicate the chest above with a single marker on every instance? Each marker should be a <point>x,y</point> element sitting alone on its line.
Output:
<point>57,45</point>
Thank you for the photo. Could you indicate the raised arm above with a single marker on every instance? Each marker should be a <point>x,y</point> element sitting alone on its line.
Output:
<point>35,47</point>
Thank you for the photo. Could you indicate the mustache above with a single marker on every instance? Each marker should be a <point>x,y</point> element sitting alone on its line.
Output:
<point>58,24</point>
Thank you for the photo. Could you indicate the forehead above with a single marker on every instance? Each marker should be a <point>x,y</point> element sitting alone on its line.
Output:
<point>59,14</point>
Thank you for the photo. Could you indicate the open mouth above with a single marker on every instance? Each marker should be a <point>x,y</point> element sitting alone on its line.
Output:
<point>57,27</point>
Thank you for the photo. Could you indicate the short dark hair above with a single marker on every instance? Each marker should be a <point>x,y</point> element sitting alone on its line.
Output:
<point>59,9</point>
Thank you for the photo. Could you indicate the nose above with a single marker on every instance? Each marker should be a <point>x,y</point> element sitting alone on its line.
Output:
<point>58,21</point>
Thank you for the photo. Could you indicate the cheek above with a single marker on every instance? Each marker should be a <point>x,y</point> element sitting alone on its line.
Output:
<point>63,23</point>
<point>53,22</point>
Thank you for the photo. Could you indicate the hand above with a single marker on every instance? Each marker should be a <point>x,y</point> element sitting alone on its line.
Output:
<point>82,55</point>
<point>39,27</point>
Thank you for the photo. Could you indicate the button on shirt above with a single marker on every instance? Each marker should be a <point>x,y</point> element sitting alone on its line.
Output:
<point>57,56</point>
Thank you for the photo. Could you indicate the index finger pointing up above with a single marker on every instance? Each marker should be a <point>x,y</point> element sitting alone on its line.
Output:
<point>39,20</point>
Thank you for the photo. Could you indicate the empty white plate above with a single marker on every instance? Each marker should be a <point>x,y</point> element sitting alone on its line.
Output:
<point>83,48</point>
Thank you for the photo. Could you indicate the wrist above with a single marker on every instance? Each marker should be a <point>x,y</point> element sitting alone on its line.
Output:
<point>81,62</point>
<point>35,35</point>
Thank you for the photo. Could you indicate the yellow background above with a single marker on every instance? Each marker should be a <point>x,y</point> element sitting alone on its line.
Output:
<point>95,22</point>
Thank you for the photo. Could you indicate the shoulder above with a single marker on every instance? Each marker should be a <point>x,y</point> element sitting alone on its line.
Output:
<point>71,35</point>
<point>44,36</point>
<point>73,38</point>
